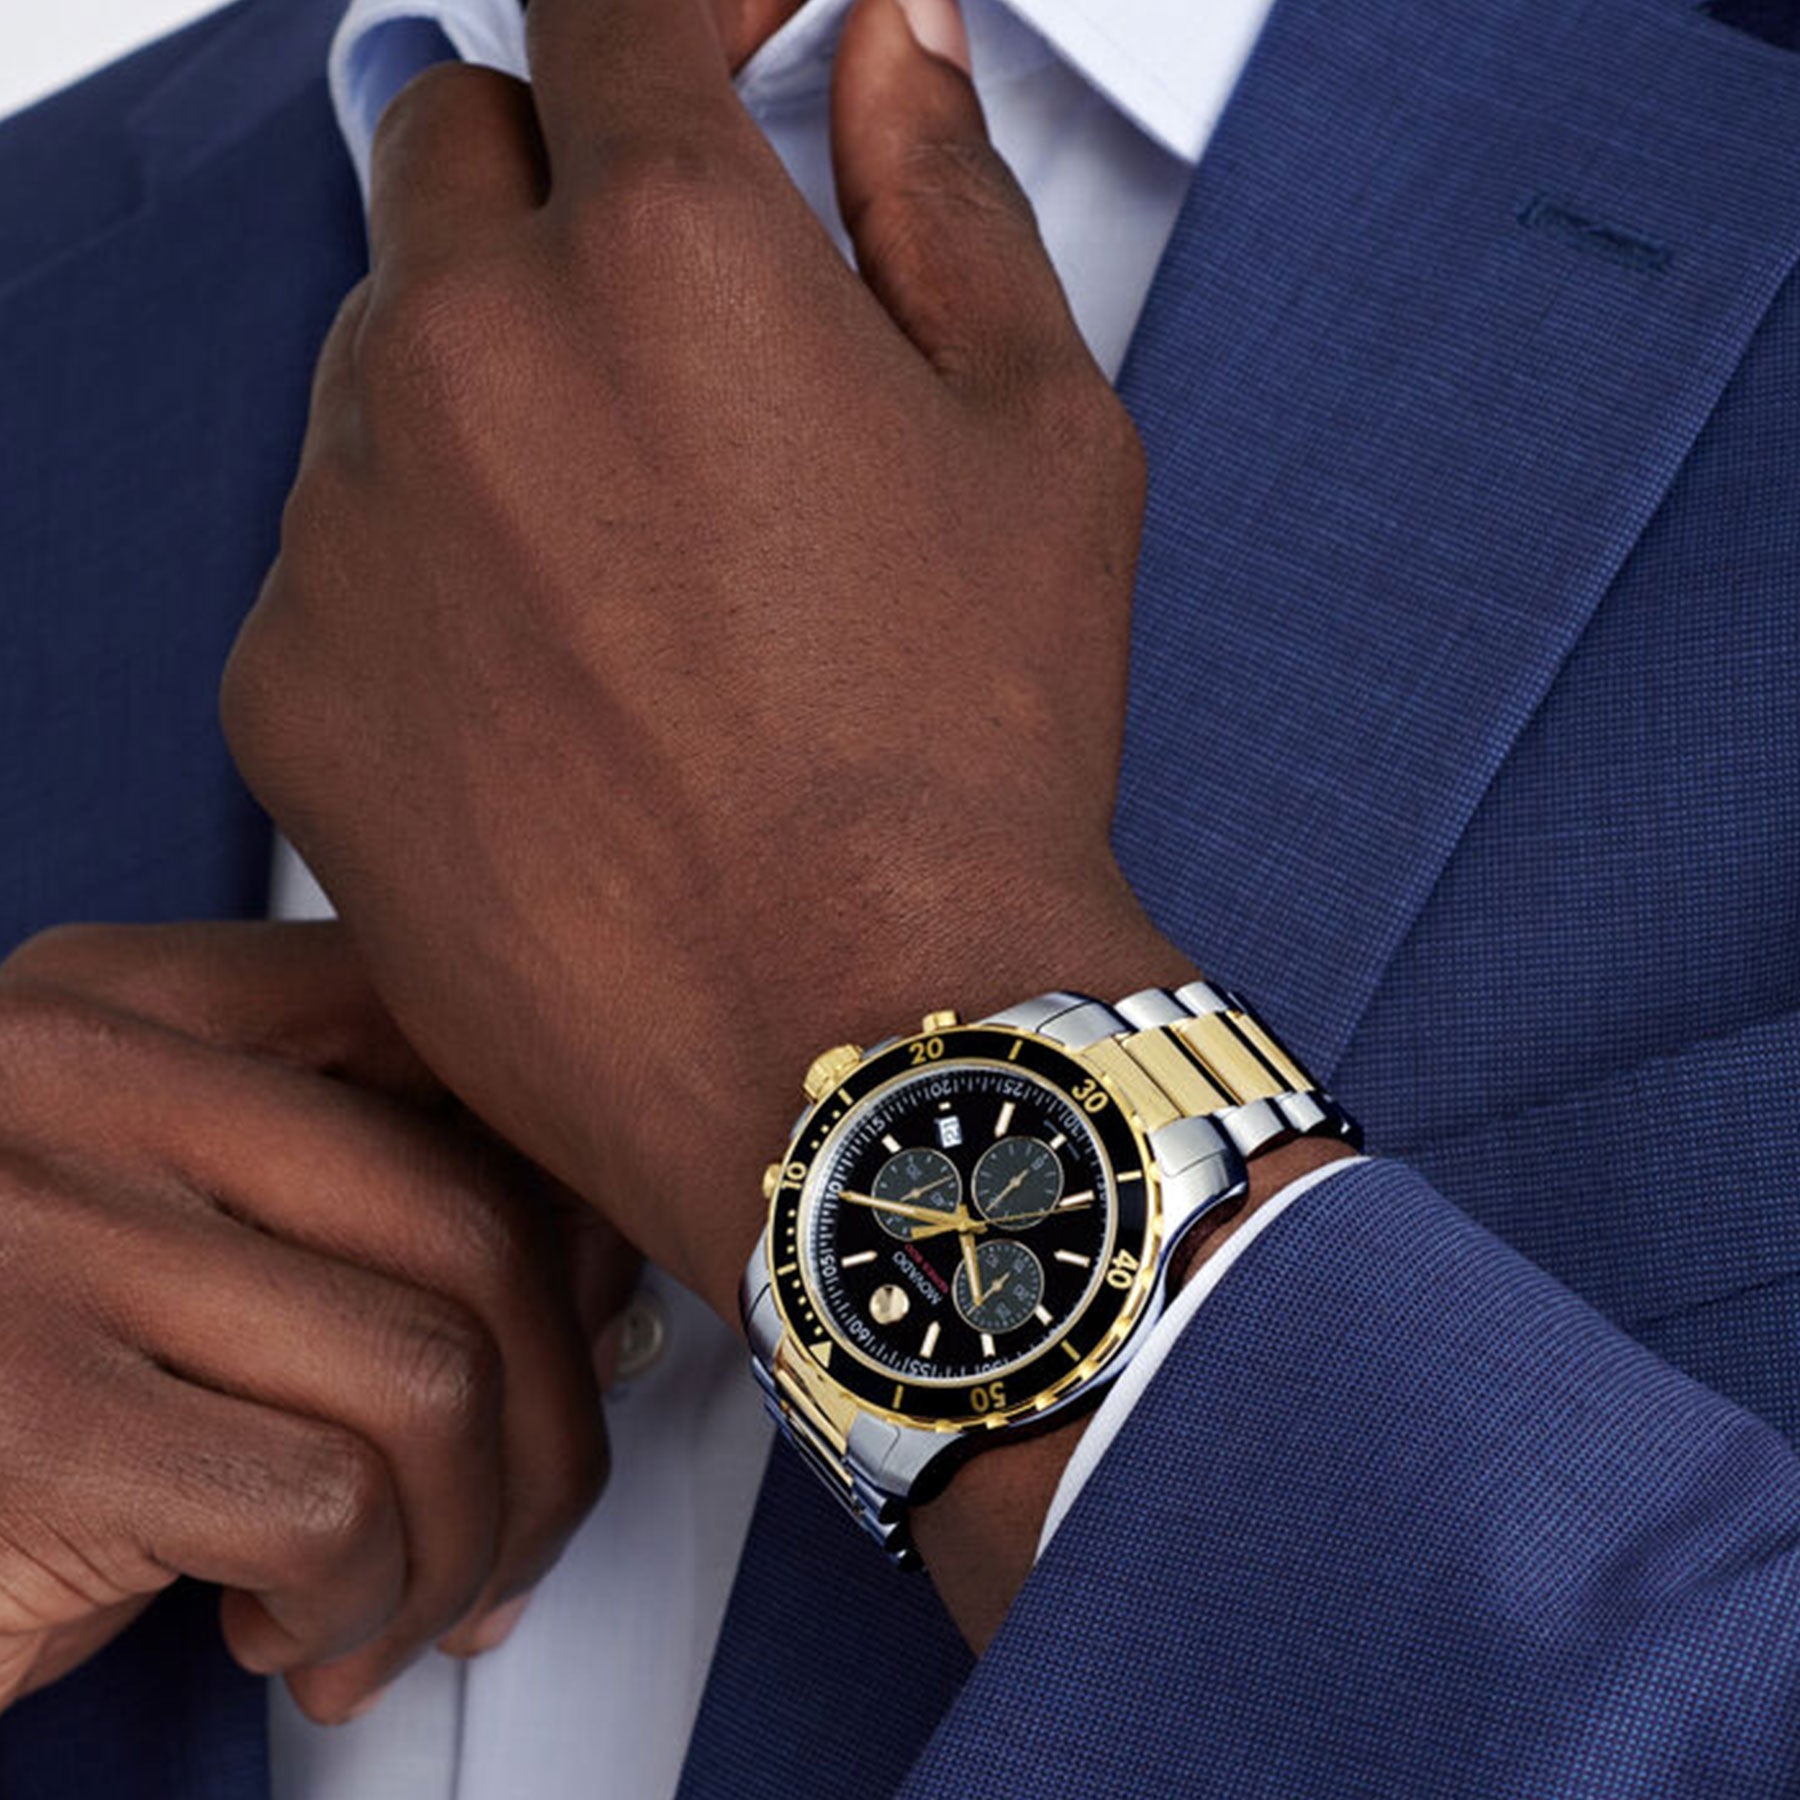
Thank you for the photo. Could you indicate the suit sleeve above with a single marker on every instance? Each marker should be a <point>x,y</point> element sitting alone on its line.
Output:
<point>1401,1516</point>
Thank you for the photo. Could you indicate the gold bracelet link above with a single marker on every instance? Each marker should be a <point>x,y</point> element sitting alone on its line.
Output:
<point>1196,1067</point>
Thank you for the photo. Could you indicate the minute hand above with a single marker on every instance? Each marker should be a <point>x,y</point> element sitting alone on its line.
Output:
<point>935,1218</point>
<point>972,1267</point>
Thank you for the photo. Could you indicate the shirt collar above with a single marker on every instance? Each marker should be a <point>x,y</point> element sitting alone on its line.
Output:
<point>1168,65</point>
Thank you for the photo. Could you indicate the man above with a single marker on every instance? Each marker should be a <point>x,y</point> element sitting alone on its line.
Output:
<point>792,604</point>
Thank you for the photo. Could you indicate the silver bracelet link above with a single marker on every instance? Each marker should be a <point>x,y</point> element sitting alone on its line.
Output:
<point>1211,1087</point>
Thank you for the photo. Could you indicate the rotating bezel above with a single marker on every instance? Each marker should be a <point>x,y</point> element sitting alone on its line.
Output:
<point>1070,1360</point>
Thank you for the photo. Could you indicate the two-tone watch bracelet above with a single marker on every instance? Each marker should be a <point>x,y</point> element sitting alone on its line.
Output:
<point>1207,1084</point>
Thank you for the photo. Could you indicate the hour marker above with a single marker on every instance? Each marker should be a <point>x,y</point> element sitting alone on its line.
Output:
<point>929,1347</point>
<point>889,1305</point>
<point>987,1343</point>
<point>1075,1257</point>
<point>1132,1175</point>
<point>1013,1054</point>
<point>1069,1202</point>
<point>1042,1315</point>
<point>1003,1124</point>
<point>1057,1142</point>
<point>1070,1351</point>
<point>787,1268</point>
<point>950,1132</point>
<point>891,1144</point>
<point>857,1261</point>
<point>899,1394</point>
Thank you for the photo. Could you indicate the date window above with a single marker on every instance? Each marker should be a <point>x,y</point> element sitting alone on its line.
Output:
<point>949,1131</point>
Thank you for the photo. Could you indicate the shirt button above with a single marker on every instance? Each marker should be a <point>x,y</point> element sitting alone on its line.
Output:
<point>643,1336</point>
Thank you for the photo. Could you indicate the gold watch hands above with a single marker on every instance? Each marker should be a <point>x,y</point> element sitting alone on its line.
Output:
<point>926,1189</point>
<point>939,1224</point>
<point>972,1263</point>
<point>1011,1185</point>
<point>934,1219</point>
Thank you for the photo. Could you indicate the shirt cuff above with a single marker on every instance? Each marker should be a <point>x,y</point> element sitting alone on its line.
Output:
<point>1122,1396</point>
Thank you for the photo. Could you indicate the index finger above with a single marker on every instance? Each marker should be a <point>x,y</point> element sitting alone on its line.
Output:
<point>296,993</point>
<point>608,69</point>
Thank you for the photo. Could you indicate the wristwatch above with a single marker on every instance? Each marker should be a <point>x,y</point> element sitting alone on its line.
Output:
<point>974,1228</point>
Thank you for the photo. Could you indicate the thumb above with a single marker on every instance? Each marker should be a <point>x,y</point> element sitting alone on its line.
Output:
<point>943,233</point>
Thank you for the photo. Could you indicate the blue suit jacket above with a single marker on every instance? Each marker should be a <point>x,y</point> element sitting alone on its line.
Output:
<point>1465,735</point>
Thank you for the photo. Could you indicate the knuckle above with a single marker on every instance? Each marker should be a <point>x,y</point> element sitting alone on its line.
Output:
<point>60,955</point>
<point>432,338</point>
<point>447,1371</point>
<point>943,190</point>
<point>256,687</point>
<point>476,1223</point>
<point>580,1480</point>
<point>491,1254</point>
<point>318,517</point>
<point>660,199</point>
<point>53,1029</point>
<point>336,1500</point>
<point>429,103</point>
<point>241,685</point>
<point>1078,418</point>
<point>674,168</point>
<point>960,173</point>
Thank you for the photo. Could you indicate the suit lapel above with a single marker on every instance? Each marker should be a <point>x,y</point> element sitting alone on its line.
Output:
<point>1452,293</point>
<point>156,371</point>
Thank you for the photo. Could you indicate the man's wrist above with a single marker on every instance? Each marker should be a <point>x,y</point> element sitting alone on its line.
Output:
<point>979,1536</point>
<point>1096,940</point>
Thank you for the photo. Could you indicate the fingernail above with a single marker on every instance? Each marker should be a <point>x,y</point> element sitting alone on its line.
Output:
<point>498,1626</point>
<point>368,1704</point>
<point>938,29</point>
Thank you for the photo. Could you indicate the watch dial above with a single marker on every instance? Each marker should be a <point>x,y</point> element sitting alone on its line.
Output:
<point>960,1223</point>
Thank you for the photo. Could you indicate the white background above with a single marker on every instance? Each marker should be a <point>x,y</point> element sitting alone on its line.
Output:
<point>45,44</point>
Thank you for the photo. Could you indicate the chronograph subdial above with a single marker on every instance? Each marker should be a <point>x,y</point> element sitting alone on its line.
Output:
<point>916,1179</point>
<point>1012,1286</point>
<point>1017,1182</point>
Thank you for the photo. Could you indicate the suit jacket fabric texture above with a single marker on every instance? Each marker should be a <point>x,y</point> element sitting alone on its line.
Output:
<point>1463,736</point>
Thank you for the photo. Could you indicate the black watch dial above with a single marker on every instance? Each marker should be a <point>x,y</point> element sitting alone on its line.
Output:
<point>962,1222</point>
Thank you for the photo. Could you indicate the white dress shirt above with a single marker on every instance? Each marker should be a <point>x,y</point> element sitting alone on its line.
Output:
<point>1101,107</point>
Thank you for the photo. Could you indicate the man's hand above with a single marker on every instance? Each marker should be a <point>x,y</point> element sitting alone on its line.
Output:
<point>272,1314</point>
<point>684,650</point>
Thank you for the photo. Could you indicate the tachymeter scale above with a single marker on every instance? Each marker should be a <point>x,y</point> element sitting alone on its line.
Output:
<point>1020,1248</point>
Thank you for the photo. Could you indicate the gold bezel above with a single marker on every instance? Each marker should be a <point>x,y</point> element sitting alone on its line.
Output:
<point>836,1378</point>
